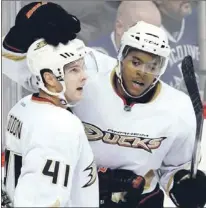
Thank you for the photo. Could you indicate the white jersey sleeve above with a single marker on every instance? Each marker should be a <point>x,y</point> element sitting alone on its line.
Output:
<point>180,153</point>
<point>48,163</point>
<point>14,66</point>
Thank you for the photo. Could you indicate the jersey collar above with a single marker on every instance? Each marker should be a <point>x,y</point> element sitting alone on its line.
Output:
<point>112,82</point>
<point>35,97</point>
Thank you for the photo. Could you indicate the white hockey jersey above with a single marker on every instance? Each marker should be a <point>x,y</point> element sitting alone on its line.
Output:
<point>49,162</point>
<point>156,137</point>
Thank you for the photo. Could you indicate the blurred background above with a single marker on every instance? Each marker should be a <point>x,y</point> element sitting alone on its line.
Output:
<point>104,22</point>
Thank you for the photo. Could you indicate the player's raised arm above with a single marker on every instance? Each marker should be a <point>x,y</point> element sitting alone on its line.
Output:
<point>35,20</point>
<point>15,67</point>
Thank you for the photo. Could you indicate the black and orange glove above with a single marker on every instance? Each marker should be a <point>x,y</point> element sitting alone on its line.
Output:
<point>41,20</point>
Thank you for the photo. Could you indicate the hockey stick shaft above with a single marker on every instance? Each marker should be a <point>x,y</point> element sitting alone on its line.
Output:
<point>196,149</point>
<point>193,91</point>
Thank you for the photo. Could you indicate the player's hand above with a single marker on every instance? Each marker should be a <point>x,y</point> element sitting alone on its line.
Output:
<point>187,192</point>
<point>119,180</point>
<point>41,20</point>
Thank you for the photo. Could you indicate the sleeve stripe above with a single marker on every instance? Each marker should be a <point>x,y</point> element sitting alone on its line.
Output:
<point>13,57</point>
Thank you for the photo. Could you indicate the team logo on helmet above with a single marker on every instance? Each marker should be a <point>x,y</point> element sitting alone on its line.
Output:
<point>40,45</point>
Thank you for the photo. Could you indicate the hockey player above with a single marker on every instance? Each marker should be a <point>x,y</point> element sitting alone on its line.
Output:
<point>49,162</point>
<point>139,123</point>
<point>48,184</point>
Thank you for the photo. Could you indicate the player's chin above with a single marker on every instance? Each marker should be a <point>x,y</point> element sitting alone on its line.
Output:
<point>135,91</point>
<point>78,95</point>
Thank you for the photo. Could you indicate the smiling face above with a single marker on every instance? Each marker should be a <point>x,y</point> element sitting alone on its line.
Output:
<point>139,70</point>
<point>75,78</point>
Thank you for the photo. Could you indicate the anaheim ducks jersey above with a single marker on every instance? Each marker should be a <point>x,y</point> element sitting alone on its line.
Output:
<point>49,162</point>
<point>151,138</point>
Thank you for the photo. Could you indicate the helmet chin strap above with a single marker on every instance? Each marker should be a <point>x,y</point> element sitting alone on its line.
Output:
<point>60,95</point>
<point>71,104</point>
<point>65,103</point>
<point>144,93</point>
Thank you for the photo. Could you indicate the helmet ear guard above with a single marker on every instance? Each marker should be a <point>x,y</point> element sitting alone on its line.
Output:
<point>147,38</point>
<point>41,57</point>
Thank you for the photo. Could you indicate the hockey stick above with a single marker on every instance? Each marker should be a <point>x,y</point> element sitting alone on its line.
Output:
<point>192,88</point>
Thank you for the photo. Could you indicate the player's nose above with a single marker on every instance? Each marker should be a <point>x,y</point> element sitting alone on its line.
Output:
<point>84,75</point>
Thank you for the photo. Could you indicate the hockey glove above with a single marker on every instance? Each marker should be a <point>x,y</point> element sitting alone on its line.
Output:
<point>119,180</point>
<point>187,192</point>
<point>41,20</point>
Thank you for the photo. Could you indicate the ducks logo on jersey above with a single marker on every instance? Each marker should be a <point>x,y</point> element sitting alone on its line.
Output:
<point>124,139</point>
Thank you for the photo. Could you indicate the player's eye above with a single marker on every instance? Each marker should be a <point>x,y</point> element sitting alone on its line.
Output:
<point>75,70</point>
<point>136,63</point>
<point>152,67</point>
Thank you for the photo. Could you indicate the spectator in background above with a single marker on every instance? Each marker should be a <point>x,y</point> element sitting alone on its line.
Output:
<point>129,12</point>
<point>179,19</point>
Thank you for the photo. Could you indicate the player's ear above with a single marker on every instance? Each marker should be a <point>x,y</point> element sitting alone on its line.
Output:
<point>49,79</point>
